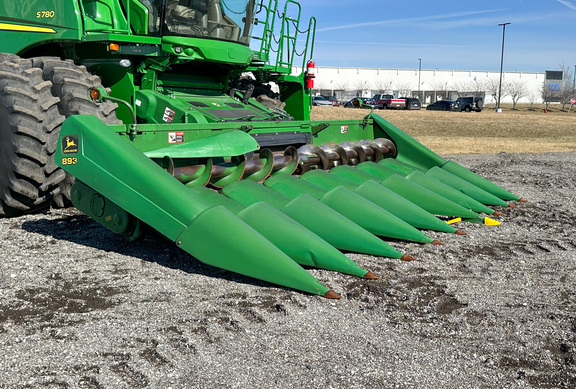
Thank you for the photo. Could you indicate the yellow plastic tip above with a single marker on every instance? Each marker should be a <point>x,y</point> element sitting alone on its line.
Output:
<point>491,222</point>
<point>458,219</point>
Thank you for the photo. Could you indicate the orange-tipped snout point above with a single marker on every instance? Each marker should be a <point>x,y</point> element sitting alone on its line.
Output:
<point>332,295</point>
<point>371,276</point>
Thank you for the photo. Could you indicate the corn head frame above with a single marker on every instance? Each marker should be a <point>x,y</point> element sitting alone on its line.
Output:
<point>185,116</point>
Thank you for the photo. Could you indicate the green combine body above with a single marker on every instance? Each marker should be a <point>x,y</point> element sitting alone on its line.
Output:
<point>129,108</point>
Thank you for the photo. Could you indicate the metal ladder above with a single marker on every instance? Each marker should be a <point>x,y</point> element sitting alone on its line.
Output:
<point>285,43</point>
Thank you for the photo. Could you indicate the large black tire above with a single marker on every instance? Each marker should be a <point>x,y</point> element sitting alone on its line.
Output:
<point>29,128</point>
<point>70,83</point>
<point>8,57</point>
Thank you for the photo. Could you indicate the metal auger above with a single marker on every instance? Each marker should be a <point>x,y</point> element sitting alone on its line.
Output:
<point>332,154</point>
<point>265,163</point>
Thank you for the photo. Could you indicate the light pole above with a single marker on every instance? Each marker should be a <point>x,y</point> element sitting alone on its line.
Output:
<point>419,72</point>
<point>574,83</point>
<point>498,108</point>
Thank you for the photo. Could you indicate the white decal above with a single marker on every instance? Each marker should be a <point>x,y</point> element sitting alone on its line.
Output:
<point>176,137</point>
<point>168,115</point>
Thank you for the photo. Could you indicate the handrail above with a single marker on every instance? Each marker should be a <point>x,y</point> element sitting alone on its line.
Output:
<point>285,43</point>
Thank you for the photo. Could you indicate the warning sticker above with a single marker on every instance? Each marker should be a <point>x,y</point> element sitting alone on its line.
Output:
<point>343,129</point>
<point>176,137</point>
<point>168,115</point>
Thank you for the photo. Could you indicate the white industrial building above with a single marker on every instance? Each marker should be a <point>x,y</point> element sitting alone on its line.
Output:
<point>428,84</point>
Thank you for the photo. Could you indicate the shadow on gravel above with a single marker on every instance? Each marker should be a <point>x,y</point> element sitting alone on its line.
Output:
<point>151,247</point>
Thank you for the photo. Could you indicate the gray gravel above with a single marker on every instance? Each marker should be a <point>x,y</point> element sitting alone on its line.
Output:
<point>81,307</point>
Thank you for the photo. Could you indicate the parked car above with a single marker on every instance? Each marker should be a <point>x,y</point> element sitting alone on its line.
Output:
<point>388,101</point>
<point>321,101</point>
<point>470,103</point>
<point>412,103</point>
<point>333,100</point>
<point>444,105</point>
<point>366,103</point>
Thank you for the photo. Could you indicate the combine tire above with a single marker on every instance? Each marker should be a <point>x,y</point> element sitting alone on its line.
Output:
<point>9,57</point>
<point>29,128</point>
<point>70,83</point>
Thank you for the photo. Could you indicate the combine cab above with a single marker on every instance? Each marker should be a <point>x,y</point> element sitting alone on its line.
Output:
<point>184,115</point>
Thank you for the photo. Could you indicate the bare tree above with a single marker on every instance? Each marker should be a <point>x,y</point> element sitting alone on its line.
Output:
<point>491,86</point>
<point>341,84</point>
<point>567,87</point>
<point>442,89</point>
<point>464,88</point>
<point>382,85</point>
<point>550,93</point>
<point>516,89</point>
<point>532,98</point>
<point>480,87</point>
<point>360,85</point>
<point>321,86</point>
<point>404,89</point>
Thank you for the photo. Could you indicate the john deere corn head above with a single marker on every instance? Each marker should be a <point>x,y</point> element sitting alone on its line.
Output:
<point>185,115</point>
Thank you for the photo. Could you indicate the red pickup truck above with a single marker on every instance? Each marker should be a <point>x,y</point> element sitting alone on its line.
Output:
<point>388,101</point>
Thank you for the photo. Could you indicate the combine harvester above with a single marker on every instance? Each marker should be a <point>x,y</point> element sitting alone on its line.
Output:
<point>163,113</point>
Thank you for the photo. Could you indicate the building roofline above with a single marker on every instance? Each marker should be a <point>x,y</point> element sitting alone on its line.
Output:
<point>430,70</point>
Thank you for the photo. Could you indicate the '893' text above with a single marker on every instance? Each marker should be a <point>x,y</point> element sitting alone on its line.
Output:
<point>69,161</point>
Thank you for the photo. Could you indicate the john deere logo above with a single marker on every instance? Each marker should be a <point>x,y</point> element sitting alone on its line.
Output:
<point>70,144</point>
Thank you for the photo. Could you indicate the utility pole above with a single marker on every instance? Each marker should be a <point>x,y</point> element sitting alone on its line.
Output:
<point>419,73</point>
<point>574,83</point>
<point>498,108</point>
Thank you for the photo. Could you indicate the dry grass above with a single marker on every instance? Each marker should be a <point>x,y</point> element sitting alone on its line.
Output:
<point>521,131</point>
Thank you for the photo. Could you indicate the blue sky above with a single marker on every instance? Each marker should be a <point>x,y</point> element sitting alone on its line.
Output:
<point>452,34</point>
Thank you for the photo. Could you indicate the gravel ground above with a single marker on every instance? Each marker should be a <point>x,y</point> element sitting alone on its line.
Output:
<point>81,307</point>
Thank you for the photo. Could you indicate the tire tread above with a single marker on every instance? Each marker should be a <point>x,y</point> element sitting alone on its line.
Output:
<point>29,116</point>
